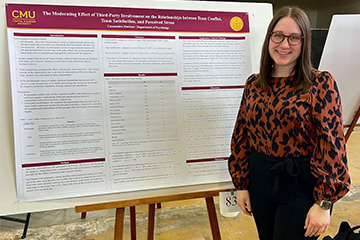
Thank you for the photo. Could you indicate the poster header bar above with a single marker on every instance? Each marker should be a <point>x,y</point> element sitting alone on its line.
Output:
<point>105,18</point>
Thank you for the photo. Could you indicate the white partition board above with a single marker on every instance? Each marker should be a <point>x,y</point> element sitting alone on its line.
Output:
<point>341,57</point>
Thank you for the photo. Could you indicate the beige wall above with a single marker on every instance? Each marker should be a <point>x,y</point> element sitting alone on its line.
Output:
<point>332,7</point>
<point>319,11</point>
<point>309,6</point>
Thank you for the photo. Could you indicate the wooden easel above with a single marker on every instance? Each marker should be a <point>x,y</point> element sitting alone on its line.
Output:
<point>352,124</point>
<point>151,201</point>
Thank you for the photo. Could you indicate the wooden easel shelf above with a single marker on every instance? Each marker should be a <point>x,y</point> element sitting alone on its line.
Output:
<point>120,210</point>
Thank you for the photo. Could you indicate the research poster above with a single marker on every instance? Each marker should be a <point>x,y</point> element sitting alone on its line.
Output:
<point>109,99</point>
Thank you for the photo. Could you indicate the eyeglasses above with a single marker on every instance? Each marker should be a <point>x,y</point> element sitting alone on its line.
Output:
<point>292,39</point>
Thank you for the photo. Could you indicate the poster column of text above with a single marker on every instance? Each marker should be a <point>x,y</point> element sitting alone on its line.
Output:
<point>60,127</point>
<point>214,72</point>
<point>140,73</point>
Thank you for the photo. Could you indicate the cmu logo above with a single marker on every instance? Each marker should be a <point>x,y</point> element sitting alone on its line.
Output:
<point>23,14</point>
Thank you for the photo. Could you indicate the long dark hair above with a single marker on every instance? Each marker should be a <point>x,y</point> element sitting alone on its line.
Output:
<point>303,75</point>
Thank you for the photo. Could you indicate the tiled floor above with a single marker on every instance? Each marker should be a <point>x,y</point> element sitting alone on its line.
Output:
<point>181,220</point>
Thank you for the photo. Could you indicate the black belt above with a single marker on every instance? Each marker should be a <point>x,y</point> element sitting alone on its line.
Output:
<point>288,165</point>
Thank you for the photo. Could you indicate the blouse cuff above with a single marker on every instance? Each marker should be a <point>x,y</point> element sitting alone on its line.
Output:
<point>323,191</point>
<point>241,183</point>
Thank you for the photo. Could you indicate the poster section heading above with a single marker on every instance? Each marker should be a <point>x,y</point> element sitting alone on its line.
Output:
<point>132,19</point>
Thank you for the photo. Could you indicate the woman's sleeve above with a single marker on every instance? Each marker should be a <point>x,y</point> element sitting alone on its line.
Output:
<point>238,162</point>
<point>329,162</point>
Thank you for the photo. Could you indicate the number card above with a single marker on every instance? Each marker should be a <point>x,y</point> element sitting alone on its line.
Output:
<point>228,204</point>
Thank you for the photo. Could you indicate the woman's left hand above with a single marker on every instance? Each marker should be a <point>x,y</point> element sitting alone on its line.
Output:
<point>317,221</point>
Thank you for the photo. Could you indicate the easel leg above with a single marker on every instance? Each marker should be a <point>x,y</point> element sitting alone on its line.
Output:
<point>26,225</point>
<point>352,124</point>
<point>213,218</point>
<point>26,222</point>
<point>151,221</point>
<point>133,222</point>
<point>119,224</point>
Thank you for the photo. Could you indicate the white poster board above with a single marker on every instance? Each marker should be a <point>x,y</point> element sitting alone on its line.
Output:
<point>259,16</point>
<point>341,57</point>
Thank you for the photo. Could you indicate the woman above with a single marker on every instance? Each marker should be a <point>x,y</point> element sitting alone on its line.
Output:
<point>288,160</point>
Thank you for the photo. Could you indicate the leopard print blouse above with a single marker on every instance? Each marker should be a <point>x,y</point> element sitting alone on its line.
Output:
<point>282,122</point>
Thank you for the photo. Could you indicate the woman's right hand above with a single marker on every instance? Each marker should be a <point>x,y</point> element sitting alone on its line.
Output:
<point>243,200</point>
